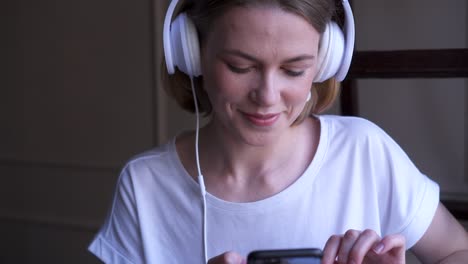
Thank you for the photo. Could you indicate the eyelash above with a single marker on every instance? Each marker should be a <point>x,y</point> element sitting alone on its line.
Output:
<point>238,70</point>
<point>294,73</point>
<point>246,70</point>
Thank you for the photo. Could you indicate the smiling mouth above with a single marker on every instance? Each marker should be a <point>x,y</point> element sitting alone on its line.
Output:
<point>262,120</point>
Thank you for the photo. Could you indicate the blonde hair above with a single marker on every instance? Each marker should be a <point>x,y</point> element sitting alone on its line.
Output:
<point>204,12</point>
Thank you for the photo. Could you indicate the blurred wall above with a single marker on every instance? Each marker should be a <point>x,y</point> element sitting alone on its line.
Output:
<point>425,116</point>
<point>77,100</point>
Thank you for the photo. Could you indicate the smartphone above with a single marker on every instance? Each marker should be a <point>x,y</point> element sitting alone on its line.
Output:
<point>285,256</point>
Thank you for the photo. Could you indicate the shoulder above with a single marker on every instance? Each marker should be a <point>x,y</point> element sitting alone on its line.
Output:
<point>347,122</point>
<point>352,128</point>
<point>150,166</point>
<point>156,155</point>
<point>359,151</point>
<point>363,140</point>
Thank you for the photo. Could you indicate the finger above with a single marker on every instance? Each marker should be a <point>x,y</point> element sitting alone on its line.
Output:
<point>363,245</point>
<point>391,242</point>
<point>330,251</point>
<point>229,257</point>
<point>347,243</point>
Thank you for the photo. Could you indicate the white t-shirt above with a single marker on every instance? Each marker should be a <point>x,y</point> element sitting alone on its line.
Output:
<point>359,179</point>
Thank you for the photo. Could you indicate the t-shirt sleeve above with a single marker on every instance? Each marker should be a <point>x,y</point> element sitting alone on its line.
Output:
<point>424,210</point>
<point>410,198</point>
<point>118,241</point>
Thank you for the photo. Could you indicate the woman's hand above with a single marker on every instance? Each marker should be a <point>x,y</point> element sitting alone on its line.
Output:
<point>228,258</point>
<point>355,247</point>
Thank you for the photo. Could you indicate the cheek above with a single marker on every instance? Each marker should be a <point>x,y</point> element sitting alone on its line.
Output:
<point>297,91</point>
<point>222,85</point>
<point>217,89</point>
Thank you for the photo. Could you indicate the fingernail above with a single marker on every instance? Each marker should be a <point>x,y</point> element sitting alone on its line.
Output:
<point>379,248</point>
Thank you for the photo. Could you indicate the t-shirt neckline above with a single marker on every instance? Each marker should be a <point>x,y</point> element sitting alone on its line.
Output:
<point>302,184</point>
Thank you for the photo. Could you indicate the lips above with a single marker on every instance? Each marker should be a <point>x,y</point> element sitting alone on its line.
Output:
<point>262,120</point>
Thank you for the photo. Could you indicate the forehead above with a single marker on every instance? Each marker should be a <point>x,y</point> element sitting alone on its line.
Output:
<point>244,26</point>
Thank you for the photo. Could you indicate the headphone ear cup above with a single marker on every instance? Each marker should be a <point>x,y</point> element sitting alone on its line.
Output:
<point>331,52</point>
<point>185,46</point>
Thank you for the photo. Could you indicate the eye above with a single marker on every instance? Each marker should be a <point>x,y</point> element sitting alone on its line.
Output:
<point>239,70</point>
<point>293,73</point>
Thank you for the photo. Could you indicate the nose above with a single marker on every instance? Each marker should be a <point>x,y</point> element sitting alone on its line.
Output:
<point>266,91</point>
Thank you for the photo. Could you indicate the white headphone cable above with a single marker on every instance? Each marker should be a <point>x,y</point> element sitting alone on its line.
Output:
<point>201,181</point>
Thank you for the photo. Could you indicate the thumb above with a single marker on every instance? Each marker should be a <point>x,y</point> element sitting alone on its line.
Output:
<point>229,257</point>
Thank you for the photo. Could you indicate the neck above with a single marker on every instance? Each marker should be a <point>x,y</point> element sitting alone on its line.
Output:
<point>238,158</point>
<point>232,167</point>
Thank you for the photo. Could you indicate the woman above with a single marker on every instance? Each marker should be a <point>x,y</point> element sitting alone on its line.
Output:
<point>277,174</point>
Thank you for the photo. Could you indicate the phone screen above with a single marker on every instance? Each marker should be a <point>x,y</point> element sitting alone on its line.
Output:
<point>288,260</point>
<point>292,256</point>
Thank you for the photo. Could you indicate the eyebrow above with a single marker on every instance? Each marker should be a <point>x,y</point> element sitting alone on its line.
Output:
<point>246,56</point>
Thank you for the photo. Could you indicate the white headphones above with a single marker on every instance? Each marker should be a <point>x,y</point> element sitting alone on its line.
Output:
<point>182,48</point>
